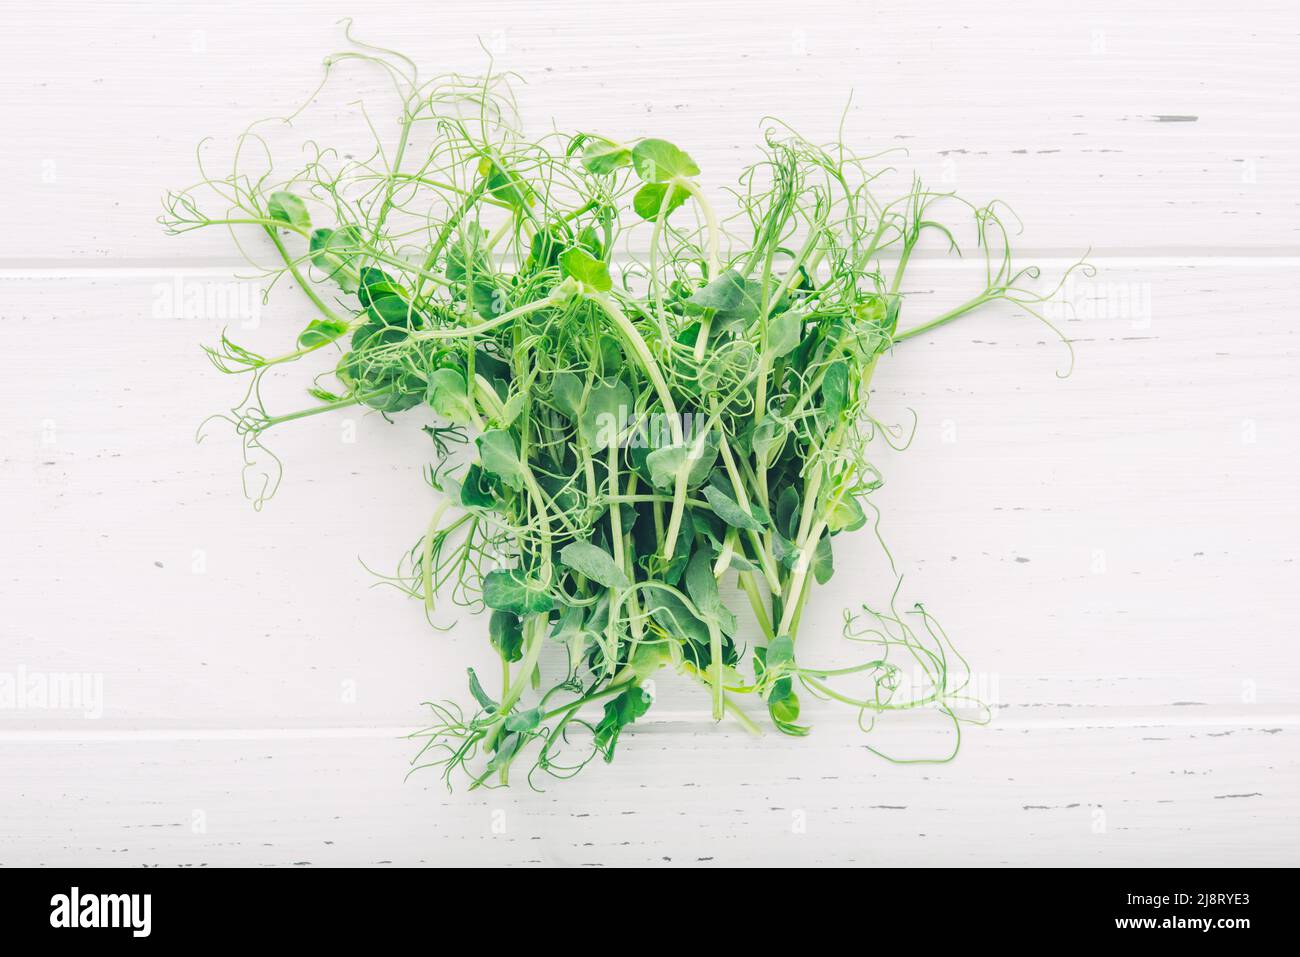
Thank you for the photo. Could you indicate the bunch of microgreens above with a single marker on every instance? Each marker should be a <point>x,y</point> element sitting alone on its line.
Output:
<point>616,432</point>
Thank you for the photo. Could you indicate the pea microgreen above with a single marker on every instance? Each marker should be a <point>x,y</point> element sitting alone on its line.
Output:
<point>614,433</point>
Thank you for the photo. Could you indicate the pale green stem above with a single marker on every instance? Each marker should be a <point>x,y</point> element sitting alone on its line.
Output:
<point>712,231</point>
<point>534,633</point>
<point>947,317</point>
<point>748,583</point>
<point>642,351</point>
<point>427,568</point>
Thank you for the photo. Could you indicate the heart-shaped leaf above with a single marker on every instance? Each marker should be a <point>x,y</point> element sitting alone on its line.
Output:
<point>845,515</point>
<point>567,389</point>
<point>665,464</point>
<point>288,208</point>
<point>586,268</point>
<point>334,252</point>
<point>506,633</point>
<point>509,589</point>
<point>649,200</point>
<point>448,395</point>
<point>780,653</point>
<point>725,292</point>
<point>603,156</point>
<point>321,331</point>
<point>606,415</point>
<point>658,161</point>
<point>784,333</point>
<point>835,389</point>
<point>823,560</point>
<point>619,713</point>
<point>500,456</point>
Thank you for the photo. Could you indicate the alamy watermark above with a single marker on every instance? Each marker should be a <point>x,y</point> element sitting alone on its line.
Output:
<point>75,909</point>
<point>227,300</point>
<point>1083,299</point>
<point>23,690</point>
<point>648,431</point>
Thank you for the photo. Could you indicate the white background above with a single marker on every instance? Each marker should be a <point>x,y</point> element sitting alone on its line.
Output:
<point>1114,552</point>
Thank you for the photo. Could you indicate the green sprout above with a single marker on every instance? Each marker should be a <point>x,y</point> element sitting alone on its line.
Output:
<point>635,398</point>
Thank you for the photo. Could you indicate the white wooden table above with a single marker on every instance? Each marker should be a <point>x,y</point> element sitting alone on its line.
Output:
<point>1116,552</point>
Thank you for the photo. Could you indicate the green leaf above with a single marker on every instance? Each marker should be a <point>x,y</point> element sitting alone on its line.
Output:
<point>498,455</point>
<point>507,745</point>
<point>725,292</point>
<point>546,245</point>
<point>787,511</point>
<point>658,161</point>
<point>506,633</point>
<point>504,185</point>
<point>784,333</point>
<point>493,368</point>
<point>603,156</point>
<point>448,395</point>
<point>619,713</point>
<point>784,550</point>
<point>572,630</point>
<point>497,451</point>
<point>509,589</point>
<point>683,545</point>
<point>393,312</point>
<point>666,463</point>
<point>780,653</point>
<point>320,331</point>
<point>591,241</point>
<point>891,317</point>
<point>512,409</point>
<point>478,489</point>
<point>375,283</point>
<point>823,560</point>
<point>649,657</point>
<point>465,256</point>
<point>607,413</point>
<point>567,389</point>
<point>784,712</point>
<point>767,436</point>
<point>334,252</point>
<point>481,696</point>
<point>675,618</point>
<point>396,393</point>
<point>846,515</point>
<point>649,199</point>
<point>288,208</point>
<point>521,722</point>
<point>486,299</point>
<point>727,509</point>
<point>586,268</point>
<point>740,305</point>
<point>703,589</point>
<point>835,389</point>
<point>595,563</point>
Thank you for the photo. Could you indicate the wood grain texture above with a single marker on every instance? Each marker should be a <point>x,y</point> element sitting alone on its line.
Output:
<point>1116,552</point>
<point>678,795</point>
<point>1124,126</point>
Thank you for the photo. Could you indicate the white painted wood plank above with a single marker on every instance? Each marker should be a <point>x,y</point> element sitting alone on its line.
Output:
<point>1126,536</point>
<point>1088,796</point>
<point>1115,553</point>
<point>1117,126</point>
